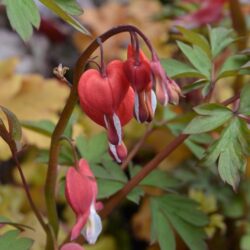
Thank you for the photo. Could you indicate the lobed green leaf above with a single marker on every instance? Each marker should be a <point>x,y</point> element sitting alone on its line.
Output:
<point>70,6</point>
<point>245,100</point>
<point>176,69</point>
<point>211,116</point>
<point>11,240</point>
<point>182,214</point>
<point>22,16</point>
<point>198,58</point>
<point>232,66</point>
<point>197,39</point>
<point>53,6</point>
<point>220,38</point>
<point>44,127</point>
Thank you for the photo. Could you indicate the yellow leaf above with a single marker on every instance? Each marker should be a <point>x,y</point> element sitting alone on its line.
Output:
<point>30,97</point>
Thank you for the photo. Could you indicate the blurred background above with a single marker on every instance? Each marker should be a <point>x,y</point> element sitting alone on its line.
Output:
<point>29,89</point>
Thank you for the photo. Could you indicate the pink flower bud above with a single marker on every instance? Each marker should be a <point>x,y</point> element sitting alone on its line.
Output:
<point>174,92</point>
<point>118,152</point>
<point>71,246</point>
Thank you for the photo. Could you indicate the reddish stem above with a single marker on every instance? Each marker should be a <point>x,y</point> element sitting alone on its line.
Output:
<point>148,168</point>
<point>116,199</point>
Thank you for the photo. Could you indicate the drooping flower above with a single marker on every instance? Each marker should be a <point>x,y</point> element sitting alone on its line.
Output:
<point>210,11</point>
<point>167,90</point>
<point>71,246</point>
<point>138,72</point>
<point>108,100</point>
<point>81,193</point>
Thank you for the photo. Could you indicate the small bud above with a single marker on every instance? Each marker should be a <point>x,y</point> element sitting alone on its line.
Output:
<point>118,152</point>
<point>60,71</point>
<point>174,92</point>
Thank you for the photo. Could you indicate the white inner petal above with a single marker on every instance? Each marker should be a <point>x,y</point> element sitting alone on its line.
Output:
<point>113,151</point>
<point>106,122</point>
<point>118,127</point>
<point>165,93</point>
<point>136,107</point>
<point>153,101</point>
<point>93,227</point>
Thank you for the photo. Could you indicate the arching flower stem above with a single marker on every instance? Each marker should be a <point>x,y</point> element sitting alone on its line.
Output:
<point>103,66</point>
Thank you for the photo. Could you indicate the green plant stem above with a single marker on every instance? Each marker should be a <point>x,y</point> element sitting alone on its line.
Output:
<point>50,184</point>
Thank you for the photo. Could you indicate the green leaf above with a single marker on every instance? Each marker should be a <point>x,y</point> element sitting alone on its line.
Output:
<point>196,85</point>
<point>230,151</point>
<point>245,100</point>
<point>176,69</point>
<point>15,129</point>
<point>164,233</point>
<point>69,128</point>
<point>44,127</point>
<point>197,150</point>
<point>109,170</point>
<point>53,6</point>
<point>106,188</point>
<point>245,242</point>
<point>236,208</point>
<point>183,215</point>
<point>211,109</point>
<point>211,116</point>
<point>220,38</point>
<point>232,66</point>
<point>197,144</point>
<point>23,15</point>
<point>70,6</point>
<point>156,178</point>
<point>192,236</point>
<point>6,221</point>
<point>198,58</point>
<point>10,240</point>
<point>197,39</point>
<point>94,148</point>
<point>135,195</point>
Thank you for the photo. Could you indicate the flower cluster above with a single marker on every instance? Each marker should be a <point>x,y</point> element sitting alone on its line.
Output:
<point>111,95</point>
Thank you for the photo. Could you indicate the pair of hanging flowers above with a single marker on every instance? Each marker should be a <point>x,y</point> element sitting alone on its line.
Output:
<point>116,92</point>
<point>111,95</point>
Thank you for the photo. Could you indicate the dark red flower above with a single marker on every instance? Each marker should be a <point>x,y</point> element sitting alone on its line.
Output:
<point>138,72</point>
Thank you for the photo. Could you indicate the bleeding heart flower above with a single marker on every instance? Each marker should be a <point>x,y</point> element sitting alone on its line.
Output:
<point>138,72</point>
<point>210,11</point>
<point>71,246</point>
<point>108,100</point>
<point>81,192</point>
